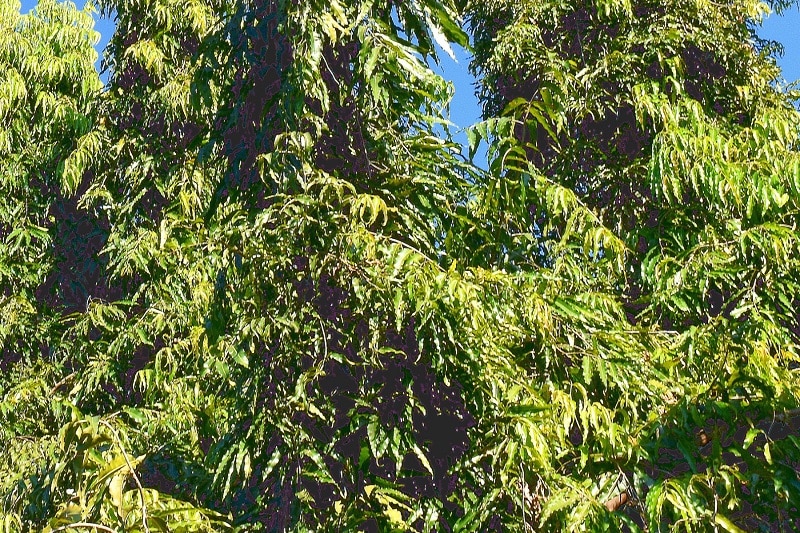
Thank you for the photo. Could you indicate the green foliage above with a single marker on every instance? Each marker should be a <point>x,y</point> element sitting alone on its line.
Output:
<point>658,127</point>
<point>248,288</point>
<point>47,99</point>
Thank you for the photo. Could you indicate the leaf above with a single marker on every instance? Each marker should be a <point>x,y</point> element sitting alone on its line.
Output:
<point>725,523</point>
<point>528,409</point>
<point>441,40</point>
<point>395,516</point>
<point>654,502</point>
<point>116,466</point>
<point>372,60</point>
<point>158,524</point>
<point>423,459</point>
<point>688,454</point>
<point>115,492</point>
<point>378,439</point>
<point>751,435</point>
<point>240,357</point>
<point>449,26</point>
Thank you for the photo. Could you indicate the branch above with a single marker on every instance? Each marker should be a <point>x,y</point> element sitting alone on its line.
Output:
<point>63,380</point>
<point>87,525</point>
<point>133,474</point>
<point>616,502</point>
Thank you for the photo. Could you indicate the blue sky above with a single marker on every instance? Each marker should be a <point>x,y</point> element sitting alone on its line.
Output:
<point>784,29</point>
<point>465,110</point>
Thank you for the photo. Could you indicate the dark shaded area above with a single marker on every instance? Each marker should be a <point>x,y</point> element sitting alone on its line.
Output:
<point>343,148</point>
<point>261,58</point>
<point>712,436</point>
<point>79,269</point>
<point>604,151</point>
<point>396,390</point>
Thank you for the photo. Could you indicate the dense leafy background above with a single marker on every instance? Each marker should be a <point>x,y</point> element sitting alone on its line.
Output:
<point>249,285</point>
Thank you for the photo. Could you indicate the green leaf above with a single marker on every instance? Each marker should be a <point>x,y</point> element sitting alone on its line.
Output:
<point>240,357</point>
<point>725,523</point>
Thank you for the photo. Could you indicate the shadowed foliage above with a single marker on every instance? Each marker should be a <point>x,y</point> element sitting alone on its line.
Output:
<point>247,286</point>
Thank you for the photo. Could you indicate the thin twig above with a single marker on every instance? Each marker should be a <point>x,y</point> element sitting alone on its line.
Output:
<point>133,474</point>
<point>87,525</point>
<point>523,490</point>
<point>60,383</point>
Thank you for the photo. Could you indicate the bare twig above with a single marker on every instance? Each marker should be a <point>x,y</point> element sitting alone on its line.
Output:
<point>61,382</point>
<point>617,501</point>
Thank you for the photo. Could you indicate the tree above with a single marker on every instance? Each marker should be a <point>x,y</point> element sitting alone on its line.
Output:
<point>652,136</point>
<point>256,250</point>
<point>302,311</point>
<point>46,109</point>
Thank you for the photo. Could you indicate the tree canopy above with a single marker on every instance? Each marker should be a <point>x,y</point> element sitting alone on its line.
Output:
<point>249,285</point>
